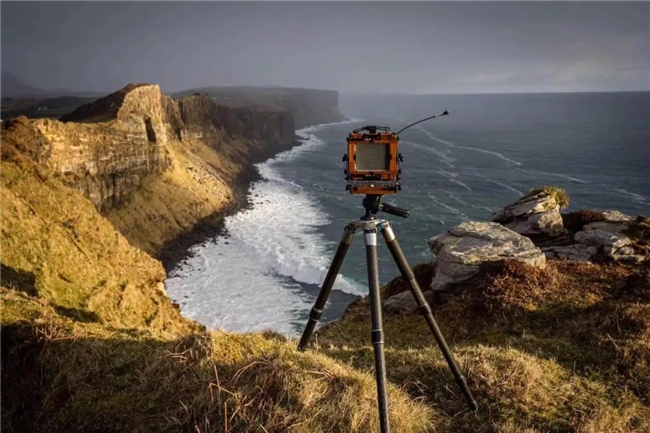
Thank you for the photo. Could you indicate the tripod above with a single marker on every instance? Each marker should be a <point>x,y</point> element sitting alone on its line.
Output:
<point>371,225</point>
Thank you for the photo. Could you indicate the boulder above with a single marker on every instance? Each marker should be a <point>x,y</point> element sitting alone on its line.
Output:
<point>609,238</point>
<point>404,302</point>
<point>537,217</point>
<point>464,248</point>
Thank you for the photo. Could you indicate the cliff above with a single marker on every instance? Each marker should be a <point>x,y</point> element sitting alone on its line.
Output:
<point>308,106</point>
<point>154,166</point>
<point>58,249</point>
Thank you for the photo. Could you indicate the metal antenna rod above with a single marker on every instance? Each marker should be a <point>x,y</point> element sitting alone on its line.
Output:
<point>445,113</point>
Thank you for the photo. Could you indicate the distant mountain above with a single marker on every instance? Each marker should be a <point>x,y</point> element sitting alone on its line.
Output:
<point>14,87</point>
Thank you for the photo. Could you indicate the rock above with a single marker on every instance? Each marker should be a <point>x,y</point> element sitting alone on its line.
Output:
<point>160,286</point>
<point>609,237</point>
<point>537,217</point>
<point>404,302</point>
<point>577,252</point>
<point>464,248</point>
<point>616,216</point>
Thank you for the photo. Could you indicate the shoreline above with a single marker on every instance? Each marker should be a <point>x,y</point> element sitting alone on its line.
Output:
<point>177,250</point>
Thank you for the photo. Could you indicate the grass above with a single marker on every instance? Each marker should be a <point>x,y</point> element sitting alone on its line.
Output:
<point>167,205</point>
<point>564,349</point>
<point>90,342</point>
<point>56,246</point>
<point>93,378</point>
<point>559,195</point>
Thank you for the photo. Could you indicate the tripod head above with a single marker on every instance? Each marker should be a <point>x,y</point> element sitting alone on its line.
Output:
<point>372,203</point>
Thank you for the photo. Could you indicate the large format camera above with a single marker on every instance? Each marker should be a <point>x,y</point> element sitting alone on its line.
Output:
<point>373,161</point>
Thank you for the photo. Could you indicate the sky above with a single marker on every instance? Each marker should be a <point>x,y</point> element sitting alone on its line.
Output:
<point>353,47</point>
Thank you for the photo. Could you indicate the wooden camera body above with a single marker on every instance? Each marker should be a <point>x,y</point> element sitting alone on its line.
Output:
<point>373,161</point>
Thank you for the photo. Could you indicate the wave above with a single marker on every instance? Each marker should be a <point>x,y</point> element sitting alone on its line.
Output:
<point>496,182</point>
<point>455,146</point>
<point>546,173</point>
<point>250,278</point>
<point>637,198</point>
<point>451,209</point>
<point>455,197</point>
<point>442,156</point>
<point>453,178</point>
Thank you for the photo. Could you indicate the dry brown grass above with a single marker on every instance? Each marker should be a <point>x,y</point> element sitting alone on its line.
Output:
<point>93,378</point>
<point>564,349</point>
<point>574,221</point>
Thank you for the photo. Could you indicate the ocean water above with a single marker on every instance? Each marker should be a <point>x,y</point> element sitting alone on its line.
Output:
<point>265,271</point>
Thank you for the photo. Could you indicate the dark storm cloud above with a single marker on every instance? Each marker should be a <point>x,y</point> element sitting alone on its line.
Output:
<point>388,47</point>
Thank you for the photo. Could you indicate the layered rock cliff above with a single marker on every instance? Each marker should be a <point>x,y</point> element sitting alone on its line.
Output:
<point>308,106</point>
<point>153,165</point>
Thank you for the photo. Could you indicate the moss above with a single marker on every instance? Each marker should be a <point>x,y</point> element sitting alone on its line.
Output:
<point>559,194</point>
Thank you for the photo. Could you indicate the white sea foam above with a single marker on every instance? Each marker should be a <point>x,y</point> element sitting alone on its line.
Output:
<point>442,155</point>
<point>453,178</point>
<point>496,182</point>
<point>241,279</point>
<point>455,198</point>
<point>637,198</point>
<point>456,146</point>
<point>564,176</point>
<point>451,209</point>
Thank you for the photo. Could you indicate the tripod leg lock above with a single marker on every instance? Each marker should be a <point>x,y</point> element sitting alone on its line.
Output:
<point>425,309</point>
<point>315,314</point>
<point>377,336</point>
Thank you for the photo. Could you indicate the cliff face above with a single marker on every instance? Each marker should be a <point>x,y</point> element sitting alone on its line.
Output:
<point>314,106</point>
<point>203,117</point>
<point>154,166</point>
<point>308,106</point>
<point>108,148</point>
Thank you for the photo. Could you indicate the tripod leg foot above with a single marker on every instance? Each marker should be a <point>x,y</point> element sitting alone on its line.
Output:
<point>332,272</point>
<point>377,333</point>
<point>425,309</point>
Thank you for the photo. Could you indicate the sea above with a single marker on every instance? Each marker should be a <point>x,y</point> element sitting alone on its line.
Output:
<point>264,271</point>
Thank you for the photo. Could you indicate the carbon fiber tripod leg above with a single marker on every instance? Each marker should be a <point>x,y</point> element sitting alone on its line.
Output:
<point>377,333</point>
<point>407,274</point>
<point>332,272</point>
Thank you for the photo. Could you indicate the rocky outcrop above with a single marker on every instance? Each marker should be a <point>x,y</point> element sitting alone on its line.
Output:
<point>404,302</point>
<point>536,217</point>
<point>464,248</point>
<point>107,148</point>
<point>604,240</point>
